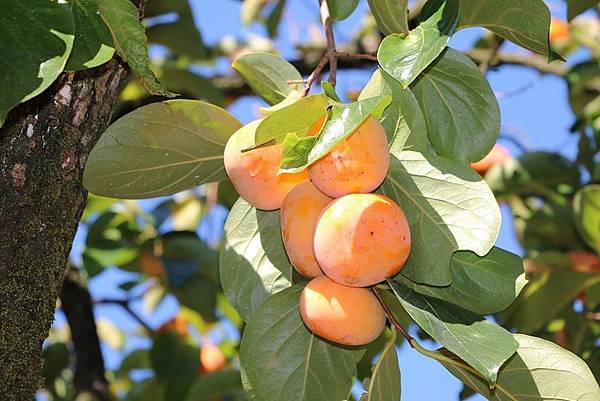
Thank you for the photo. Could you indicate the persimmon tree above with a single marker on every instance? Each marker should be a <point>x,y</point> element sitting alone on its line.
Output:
<point>66,64</point>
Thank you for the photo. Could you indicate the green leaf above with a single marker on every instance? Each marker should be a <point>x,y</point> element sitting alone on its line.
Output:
<point>160,149</point>
<point>391,15</point>
<point>483,285</point>
<point>403,119</point>
<point>329,90</point>
<point>268,75</point>
<point>526,23</point>
<point>274,18</point>
<point>187,83</point>
<point>200,295</point>
<point>274,338</point>
<point>175,364</point>
<point>206,387</point>
<point>461,110</point>
<point>534,173</point>
<point>540,371</point>
<point>138,359</point>
<point>129,37</point>
<point>253,261</point>
<point>56,359</point>
<point>226,194</point>
<point>251,10</point>
<point>587,215</point>
<point>385,381</point>
<point>343,120</point>
<point>405,57</point>
<point>93,42</point>
<point>449,208</point>
<point>341,9</point>
<point>577,7</point>
<point>296,118</point>
<point>181,37</point>
<point>36,39</point>
<point>483,345</point>
<point>547,296</point>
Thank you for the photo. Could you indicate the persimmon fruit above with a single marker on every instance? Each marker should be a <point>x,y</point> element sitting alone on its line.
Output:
<point>358,164</point>
<point>345,315</point>
<point>498,155</point>
<point>362,239</point>
<point>254,173</point>
<point>299,212</point>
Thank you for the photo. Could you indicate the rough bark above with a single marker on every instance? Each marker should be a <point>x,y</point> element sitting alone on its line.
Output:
<point>89,379</point>
<point>43,148</point>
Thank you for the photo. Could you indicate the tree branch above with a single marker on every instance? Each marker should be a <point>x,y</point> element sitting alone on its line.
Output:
<point>89,380</point>
<point>393,321</point>
<point>124,303</point>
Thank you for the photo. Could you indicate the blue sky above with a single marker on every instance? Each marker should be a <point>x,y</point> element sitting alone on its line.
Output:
<point>539,117</point>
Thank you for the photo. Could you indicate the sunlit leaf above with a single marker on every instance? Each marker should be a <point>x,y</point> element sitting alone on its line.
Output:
<point>36,39</point>
<point>160,149</point>
<point>449,208</point>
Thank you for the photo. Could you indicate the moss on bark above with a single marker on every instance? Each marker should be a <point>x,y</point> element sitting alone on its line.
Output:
<point>43,148</point>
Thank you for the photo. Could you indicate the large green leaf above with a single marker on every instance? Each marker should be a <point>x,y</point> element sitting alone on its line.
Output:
<point>483,285</point>
<point>391,15</point>
<point>547,296</point>
<point>36,38</point>
<point>253,261</point>
<point>282,360</point>
<point>344,119</point>
<point>483,345</point>
<point>461,110</point>
<point>385,381</point>
<point>576,7</point>
<point>540,371</point>
<point>93,42</point>
<point>160,149</point>
<point>587,215</point>
<point>268,75</point>
<point>449,208</point>
<point>403,119</point>
<point>526,23</point>
<point>296,118</point>
<point>405,57</point>
<point>341,9</point>
<point>129,37</point>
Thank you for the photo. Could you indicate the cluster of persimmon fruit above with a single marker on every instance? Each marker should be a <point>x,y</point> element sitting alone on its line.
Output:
<point>336,231</point>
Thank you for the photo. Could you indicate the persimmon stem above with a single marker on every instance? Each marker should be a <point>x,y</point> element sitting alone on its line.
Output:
<point>331,55</point>
<point>394,322</point>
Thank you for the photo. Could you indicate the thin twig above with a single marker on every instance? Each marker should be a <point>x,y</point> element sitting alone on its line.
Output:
<point>393,319</point>
<point>355,56</point>
<point>316,73</point>
<point>124,303</point>
<point>331,50</point>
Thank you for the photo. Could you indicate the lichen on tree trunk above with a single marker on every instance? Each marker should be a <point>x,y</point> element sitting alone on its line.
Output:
<point>44,145</point>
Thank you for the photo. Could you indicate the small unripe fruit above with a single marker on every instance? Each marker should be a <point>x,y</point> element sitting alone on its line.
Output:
<point>362,239</point>
<point>254,173</point>
<point>299,212</point>
<point>358,164</point>
<point>345,315</point>
<point>498,155</point>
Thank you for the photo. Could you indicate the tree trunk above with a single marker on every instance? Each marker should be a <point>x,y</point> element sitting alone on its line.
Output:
<point>44,145</point>
<point>89,378</point>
